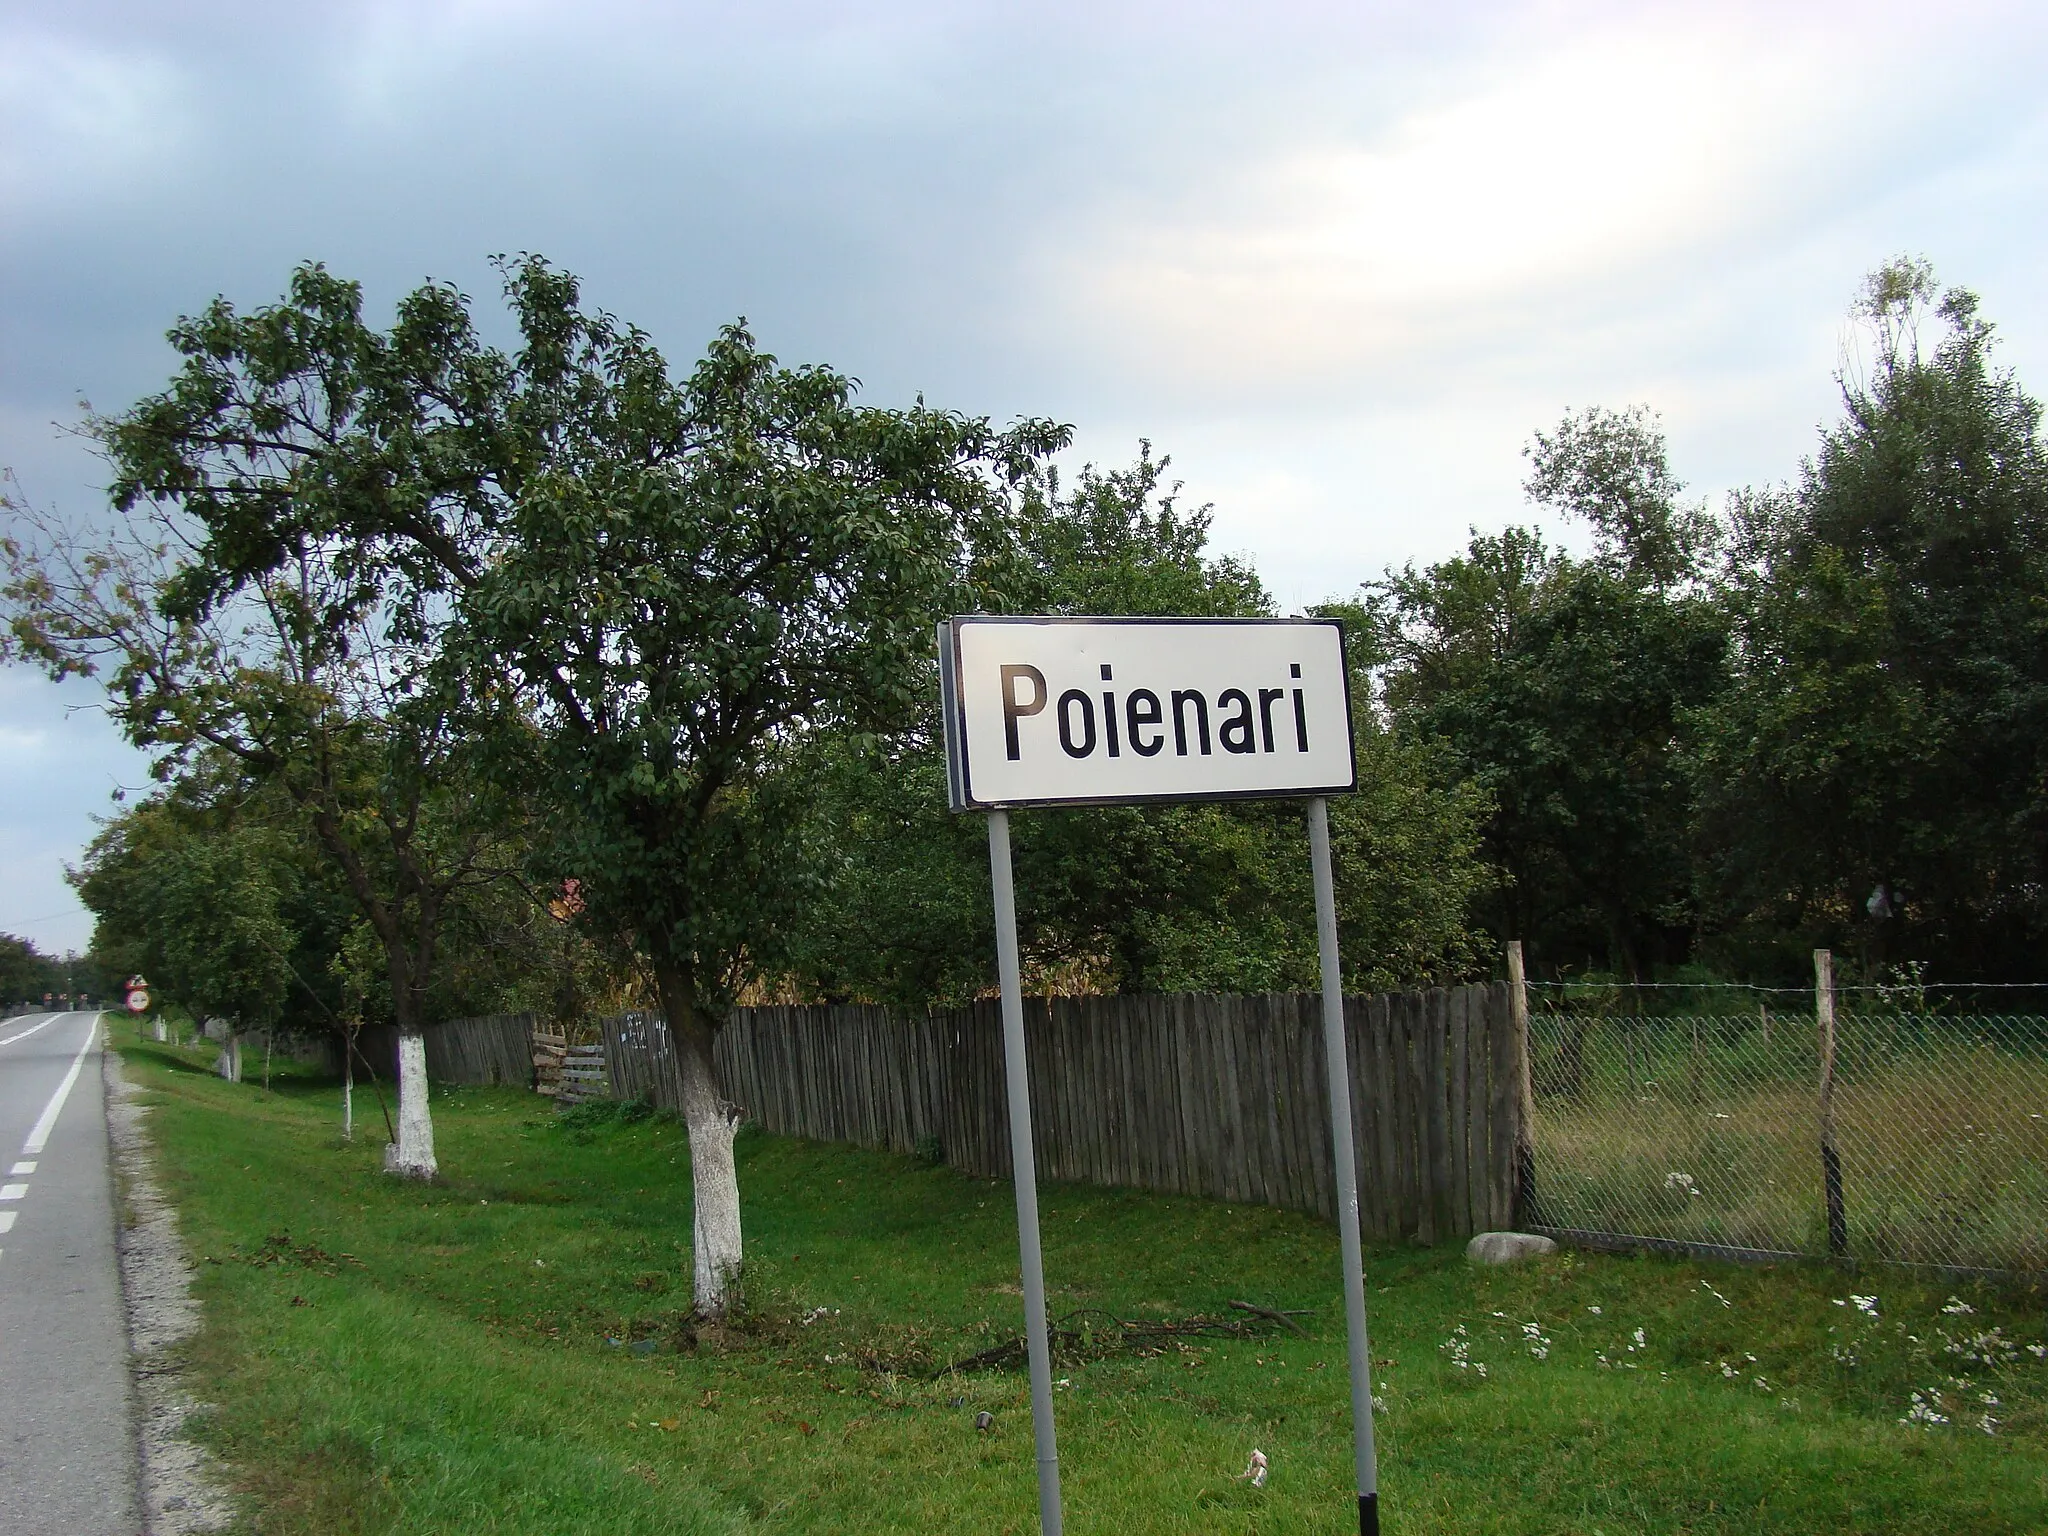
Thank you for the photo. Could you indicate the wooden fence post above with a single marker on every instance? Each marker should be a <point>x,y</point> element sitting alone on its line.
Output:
<point>1525,1089</point>
<point>1830,1157</point>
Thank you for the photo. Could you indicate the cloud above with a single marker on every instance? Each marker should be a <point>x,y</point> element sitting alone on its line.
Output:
<point>78,120</point>
<point>1542,183</point>
<point>1339,260</point>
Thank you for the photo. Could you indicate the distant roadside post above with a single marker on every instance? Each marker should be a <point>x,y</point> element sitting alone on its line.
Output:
<point>1111,711</point>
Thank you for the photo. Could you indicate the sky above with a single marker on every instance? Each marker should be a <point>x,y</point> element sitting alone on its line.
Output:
<point>1338,261</point>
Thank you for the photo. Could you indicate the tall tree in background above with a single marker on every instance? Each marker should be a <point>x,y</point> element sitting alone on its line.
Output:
<point>1561,689</point>
<point>1875,776</point>
<point>26,973</point>
<point>211,888</point>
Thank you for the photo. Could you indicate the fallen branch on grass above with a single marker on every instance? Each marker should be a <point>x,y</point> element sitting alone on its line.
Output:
<point>1285,1319</point>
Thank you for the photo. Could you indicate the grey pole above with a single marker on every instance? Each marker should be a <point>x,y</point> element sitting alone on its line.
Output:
<point>1025,1174</point>
<point>1344,1154</point>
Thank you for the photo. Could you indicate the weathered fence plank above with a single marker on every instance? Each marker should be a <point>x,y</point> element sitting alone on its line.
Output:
<point>1217,1096</point>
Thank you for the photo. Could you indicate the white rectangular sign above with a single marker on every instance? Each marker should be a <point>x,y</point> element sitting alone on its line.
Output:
<point>1059,711</point>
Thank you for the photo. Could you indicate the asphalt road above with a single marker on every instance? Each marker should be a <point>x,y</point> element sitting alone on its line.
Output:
<point>67,1436</point>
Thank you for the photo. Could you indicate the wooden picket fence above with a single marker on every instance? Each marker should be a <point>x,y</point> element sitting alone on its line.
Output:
<point>491,1048</point>
<point>1215,1096</point>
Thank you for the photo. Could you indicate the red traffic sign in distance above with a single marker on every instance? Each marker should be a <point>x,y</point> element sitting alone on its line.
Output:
<point>138,1001</point>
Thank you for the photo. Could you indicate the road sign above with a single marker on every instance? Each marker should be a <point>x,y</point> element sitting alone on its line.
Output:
<point>1106,711</point>
<point>138,1000</point>
<point>1058,711</point>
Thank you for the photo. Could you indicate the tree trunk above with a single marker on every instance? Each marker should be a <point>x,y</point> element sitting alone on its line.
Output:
<point>712,1123</point>
<point>412,1155</point>
<point>230,1064</point>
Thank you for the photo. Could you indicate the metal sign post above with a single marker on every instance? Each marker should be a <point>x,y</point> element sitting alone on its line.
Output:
<point>1337,1061</point>
<point>1025,1171</point>
<point>1065,711</point>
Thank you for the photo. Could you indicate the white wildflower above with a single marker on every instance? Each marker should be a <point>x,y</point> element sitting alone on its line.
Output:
<point>1924,1410</point>
<point>1957,1307</point>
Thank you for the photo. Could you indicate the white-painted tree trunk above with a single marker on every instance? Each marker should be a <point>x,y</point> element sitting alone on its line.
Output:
<point>348,1095</point>
<point>412,1155</point>
<point>715,1185</point>
<point>230,1064</point>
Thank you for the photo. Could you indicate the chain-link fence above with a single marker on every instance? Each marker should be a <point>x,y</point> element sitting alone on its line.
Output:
<point>1713,1130</point>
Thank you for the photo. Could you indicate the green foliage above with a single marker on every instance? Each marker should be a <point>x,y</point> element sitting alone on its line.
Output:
<point>1610,469</point>
<point>1560,691</point>
<point>26,973</point>
<point>469,621</point>
<point>209,891</point>
<point>300,426</point>
<point>1115,544</point>
<point>1875,775</point>
<point>1124,898</point>
<point>706,577</point>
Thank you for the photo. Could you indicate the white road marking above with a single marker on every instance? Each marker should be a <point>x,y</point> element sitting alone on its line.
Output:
<point>6,1221</point>
<point>48,1122</point>
<point>12,1191</point>
<point>53,1018</point>
<point>21,1169</point>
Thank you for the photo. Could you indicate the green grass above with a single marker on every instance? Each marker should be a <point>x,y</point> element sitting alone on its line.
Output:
<point>395,1358</point>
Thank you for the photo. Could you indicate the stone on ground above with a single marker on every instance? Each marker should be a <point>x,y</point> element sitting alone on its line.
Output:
<point>1508,1247</point>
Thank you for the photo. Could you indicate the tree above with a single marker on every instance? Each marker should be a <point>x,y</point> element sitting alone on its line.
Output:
<point>293,502</point>
<point>26,973</point>
<point>1610,469</point>
<point>1562,690</point>
<point>201,905</point>
<point>703,577</point>
<point>1873,778</point>
<point>1164,897</point>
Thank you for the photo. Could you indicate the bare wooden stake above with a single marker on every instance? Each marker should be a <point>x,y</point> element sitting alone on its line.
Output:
<point>1830,1155</point>
<point>1525,1089</point>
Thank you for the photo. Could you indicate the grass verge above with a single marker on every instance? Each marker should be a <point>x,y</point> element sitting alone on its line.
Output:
<point>510,1350</point>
